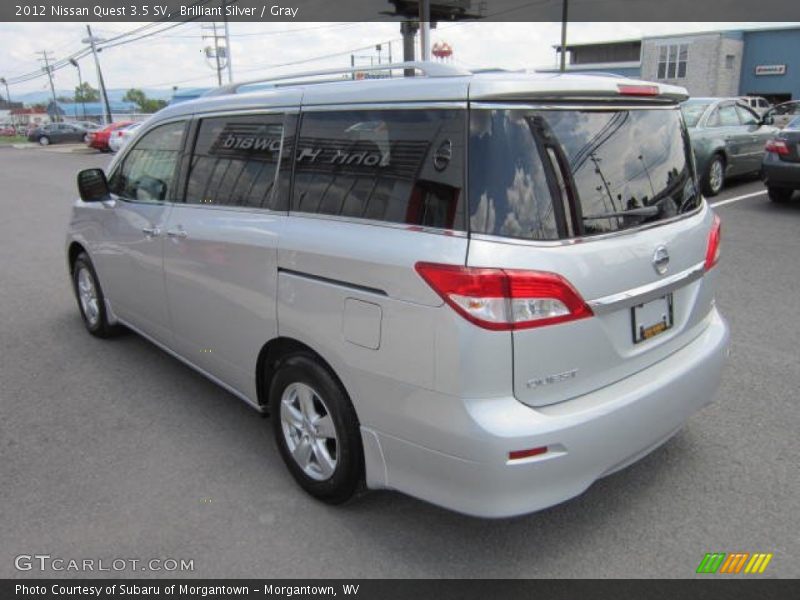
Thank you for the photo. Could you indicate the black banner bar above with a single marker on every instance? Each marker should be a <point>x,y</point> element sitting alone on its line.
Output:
<point>287,11</point>
<point>712,588</point>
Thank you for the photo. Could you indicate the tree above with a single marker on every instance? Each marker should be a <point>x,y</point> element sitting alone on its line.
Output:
<point>86,93</point>
<point>145,104</point>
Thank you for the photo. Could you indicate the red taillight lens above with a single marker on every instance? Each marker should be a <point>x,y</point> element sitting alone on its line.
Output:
<point>778,147</point>
<point>712,251</point>
<point>505,299</point>
<point>638,90</point>
<point>520,454</point>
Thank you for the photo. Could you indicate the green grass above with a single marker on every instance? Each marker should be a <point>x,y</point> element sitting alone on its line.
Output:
<point>13,139</point>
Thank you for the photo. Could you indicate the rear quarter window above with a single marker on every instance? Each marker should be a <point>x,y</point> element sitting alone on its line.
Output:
<point>396,166</point>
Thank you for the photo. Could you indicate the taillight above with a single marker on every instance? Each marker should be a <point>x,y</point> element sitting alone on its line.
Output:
<point>505,299</point>
<point>712,250</point>
<point>637,90</point>
<point>778,147</point>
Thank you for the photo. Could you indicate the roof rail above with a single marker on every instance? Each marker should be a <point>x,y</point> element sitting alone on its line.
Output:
<point>430,69</point>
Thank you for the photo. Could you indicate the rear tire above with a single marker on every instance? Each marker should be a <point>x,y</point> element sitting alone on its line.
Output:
<point>44,141</point>
<point>780,195</point>
<point>316,429</point>
<point>714,178</point>
<point>91,301</point>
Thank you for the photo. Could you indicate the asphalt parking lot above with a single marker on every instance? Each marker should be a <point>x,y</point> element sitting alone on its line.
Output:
<point>113,449</point>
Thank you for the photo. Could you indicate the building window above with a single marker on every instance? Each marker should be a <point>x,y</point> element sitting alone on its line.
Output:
<point>672,61</point>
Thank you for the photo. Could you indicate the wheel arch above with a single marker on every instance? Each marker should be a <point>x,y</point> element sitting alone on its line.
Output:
<point>74,250</point>
<point>270,357</point>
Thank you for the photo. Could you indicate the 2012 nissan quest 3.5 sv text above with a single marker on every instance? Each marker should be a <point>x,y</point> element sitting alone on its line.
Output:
<point>485,290</point>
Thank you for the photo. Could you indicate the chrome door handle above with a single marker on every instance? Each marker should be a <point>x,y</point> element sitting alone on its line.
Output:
<point>177,233</point>
<point>151,231</point>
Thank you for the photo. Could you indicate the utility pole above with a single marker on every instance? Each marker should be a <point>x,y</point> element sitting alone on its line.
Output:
<point>46,60</point>
<point>93,41</point>
<point>8,94</point>
<point>217,52</point>
<point>564,35</point>
<point>229,62</point>
<point>409,29</point>
<point>425,29</point>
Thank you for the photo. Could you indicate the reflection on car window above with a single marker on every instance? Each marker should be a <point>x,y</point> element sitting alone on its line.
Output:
<point>546,175</point>
<point>398,166</point>
<point>148,171</point>
<point>692,112</point>
<point>746,117</point>
<point>724,116</point>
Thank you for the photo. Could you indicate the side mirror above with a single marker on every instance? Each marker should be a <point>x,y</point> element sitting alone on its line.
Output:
<point>767,120</point>
<point>93,185</point>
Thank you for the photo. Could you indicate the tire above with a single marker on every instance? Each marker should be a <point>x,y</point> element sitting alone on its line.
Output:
<point>313,419</point>
<point>91,301</point>
<point>44,141</point>
<point>714,178</point>
<point>780,195</point>
<point>86,138</point>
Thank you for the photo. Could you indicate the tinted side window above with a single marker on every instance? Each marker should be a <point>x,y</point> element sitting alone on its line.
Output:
<point>399,166</point>
<point>147,173</point>
<point>235,161</point>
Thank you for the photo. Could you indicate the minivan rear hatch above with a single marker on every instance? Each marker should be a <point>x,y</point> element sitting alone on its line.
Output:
<point>604,195</point>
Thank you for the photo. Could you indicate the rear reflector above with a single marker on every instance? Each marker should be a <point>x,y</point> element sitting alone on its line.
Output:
<point>777,147</point>
<point>714,238</point>
<point>505,299</point>
<point>518,454</point>
<point>638,90</point>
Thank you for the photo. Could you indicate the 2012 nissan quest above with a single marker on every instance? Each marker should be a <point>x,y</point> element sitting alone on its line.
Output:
<point>483,290</point>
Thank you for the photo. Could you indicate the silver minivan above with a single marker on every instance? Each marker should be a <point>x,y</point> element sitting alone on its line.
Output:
<point>483,290</point>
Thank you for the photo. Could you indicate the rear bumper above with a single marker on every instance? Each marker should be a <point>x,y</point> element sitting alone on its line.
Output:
<point>587,437</point>
<point>779,173</point>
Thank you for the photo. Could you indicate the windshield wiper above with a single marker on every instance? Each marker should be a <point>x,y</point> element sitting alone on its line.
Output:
<point>644,211</point>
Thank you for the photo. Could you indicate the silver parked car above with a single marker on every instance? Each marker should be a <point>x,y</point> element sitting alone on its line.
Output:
<point>483,290</point>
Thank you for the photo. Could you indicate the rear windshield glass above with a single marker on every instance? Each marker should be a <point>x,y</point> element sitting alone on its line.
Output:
<point>692,111</point>
<point>556,174</point>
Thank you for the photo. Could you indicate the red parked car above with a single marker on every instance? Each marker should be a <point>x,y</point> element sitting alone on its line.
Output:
<point>99,139</point>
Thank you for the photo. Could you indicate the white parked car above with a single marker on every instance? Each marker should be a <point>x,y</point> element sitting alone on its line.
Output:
<point>120,137</point>
<point>483,290</point>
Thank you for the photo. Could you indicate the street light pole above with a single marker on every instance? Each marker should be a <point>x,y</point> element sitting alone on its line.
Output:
<point>93,40</point>
<point>425,29</point>
<point>75,64</point>
<point>564,35</point>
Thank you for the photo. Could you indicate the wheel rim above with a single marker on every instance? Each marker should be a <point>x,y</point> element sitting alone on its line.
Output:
<point>44,141</point>
<point>309,432</point>
<point>715,176</point>
<point>87,294</point>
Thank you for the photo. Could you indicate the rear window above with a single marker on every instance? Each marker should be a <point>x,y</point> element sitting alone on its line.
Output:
<point>557,174</point>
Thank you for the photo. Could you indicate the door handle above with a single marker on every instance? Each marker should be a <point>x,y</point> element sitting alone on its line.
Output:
<point>177,233</point>
<point>151,231</point>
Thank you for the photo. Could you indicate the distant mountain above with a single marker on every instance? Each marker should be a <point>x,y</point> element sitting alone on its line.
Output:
<point>114,95</point>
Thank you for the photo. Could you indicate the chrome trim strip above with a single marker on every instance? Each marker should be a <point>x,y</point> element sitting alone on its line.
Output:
<point>191,365</point>
<point>287,109</point>
<point>565,105</point>
<point>648,292</point>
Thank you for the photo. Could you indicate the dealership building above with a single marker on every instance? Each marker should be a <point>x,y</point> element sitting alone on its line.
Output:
<point>750,62</point>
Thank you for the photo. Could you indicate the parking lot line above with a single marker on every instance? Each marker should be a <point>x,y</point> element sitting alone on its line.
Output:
<point>737,198</point>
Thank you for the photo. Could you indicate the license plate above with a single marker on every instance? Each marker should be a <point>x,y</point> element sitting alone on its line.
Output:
<point>651,318</point>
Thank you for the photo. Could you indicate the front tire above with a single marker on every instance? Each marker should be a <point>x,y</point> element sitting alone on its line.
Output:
<point>780,195</point>
<point>316,429</point>
<point>714,179</point>
<point>91,301</point>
